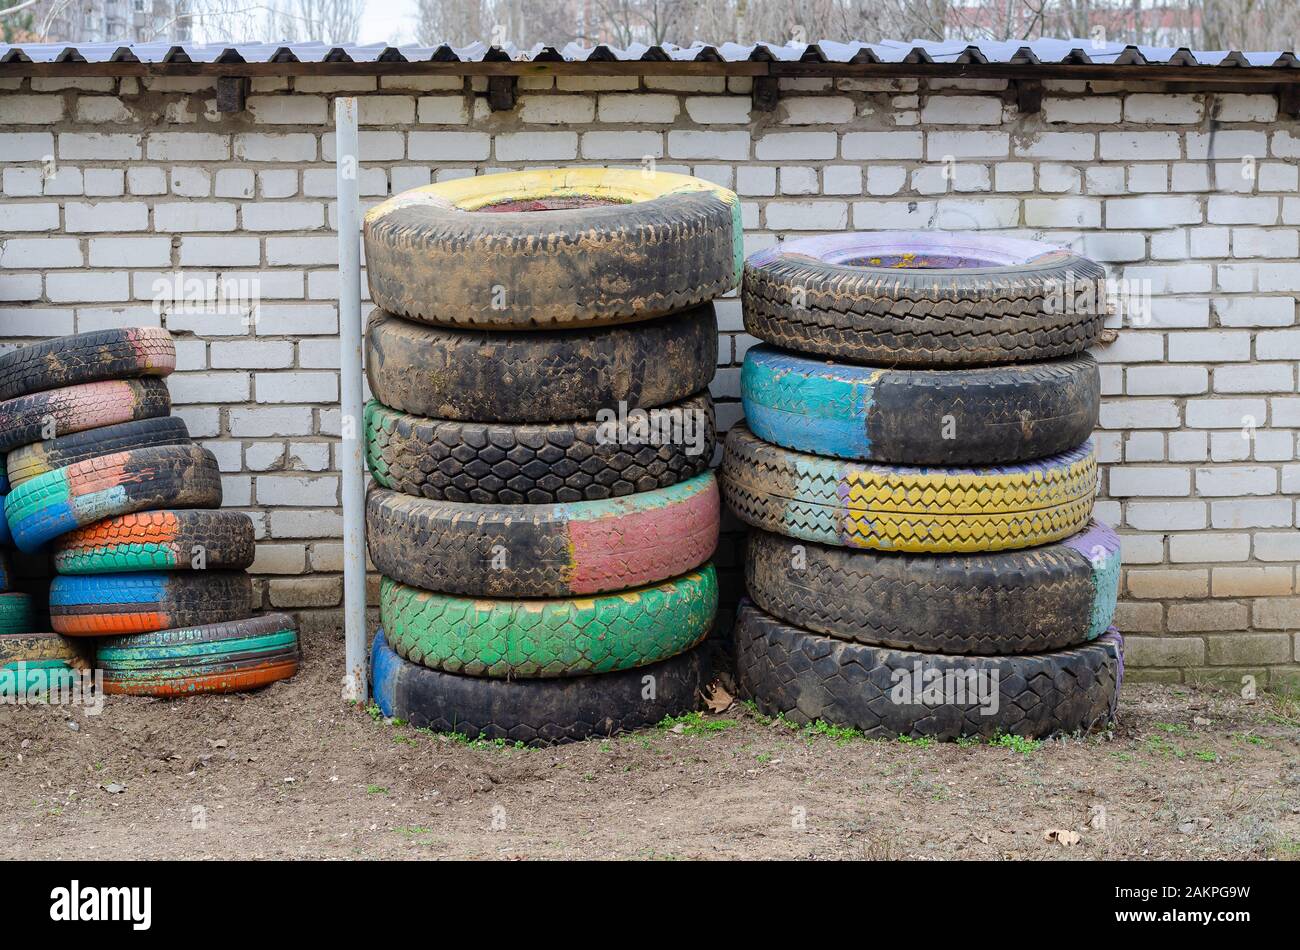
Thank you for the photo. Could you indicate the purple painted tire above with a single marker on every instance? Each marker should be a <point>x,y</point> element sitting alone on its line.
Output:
<point>917,298</point>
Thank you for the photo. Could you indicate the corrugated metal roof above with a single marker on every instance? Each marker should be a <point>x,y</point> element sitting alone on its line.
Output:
<point>1009,52</point>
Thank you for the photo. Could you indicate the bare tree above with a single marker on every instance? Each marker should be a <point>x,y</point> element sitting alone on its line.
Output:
<point>328,21</point>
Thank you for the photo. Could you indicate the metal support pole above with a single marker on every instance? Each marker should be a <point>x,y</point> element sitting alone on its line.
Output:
<point>350,455</point>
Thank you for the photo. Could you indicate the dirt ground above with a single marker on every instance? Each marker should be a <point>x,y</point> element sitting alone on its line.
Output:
<point>292,772</point>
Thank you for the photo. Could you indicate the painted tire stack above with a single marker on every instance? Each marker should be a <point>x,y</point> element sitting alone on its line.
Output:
<point>543,514</point>
<point>131,507</point>
<point>915,461</point>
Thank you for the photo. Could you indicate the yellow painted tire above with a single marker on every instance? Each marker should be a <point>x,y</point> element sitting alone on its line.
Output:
<point>553,249</point>
<point>906,508</point>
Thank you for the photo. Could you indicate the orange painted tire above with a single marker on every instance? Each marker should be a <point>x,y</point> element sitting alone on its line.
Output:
<point>179,539</point>
<point>230,681</point>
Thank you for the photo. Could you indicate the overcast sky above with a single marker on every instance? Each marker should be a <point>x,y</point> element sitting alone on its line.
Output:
<point>388,21</point>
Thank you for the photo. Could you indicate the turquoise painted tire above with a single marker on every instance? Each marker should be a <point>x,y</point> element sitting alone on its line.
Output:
<point>986,415</point>
<point>15,613</point>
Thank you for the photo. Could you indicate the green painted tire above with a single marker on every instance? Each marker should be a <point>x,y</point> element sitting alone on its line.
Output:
<point>549,638</point>
<point>15,613</point>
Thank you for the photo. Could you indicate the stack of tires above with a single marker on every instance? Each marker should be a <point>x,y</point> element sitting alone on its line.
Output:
<point>544,549</point>
<point>916,462</point>
<point>144,558</point>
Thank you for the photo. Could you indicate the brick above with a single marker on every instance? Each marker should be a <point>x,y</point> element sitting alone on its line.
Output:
<point>1225,413</point>
<point>40,253</point>
<point>296,109</point>
<point>1166,109</point>
<point>1208,615</point>
<point>778,146</point>
<point>1213,346</point>
<point>1164,651</point>
<point>194,216</point>
<point>1201,547</point>
<point>109,216</point>
<point>220,251</point>
<point>1251,513</point>
<point>641,109</point>
<point>882,145</point>
<point>1166,380</point>
<point>104,183</point>
<point>1152,211</point>
<point>1232,107</point>
<point>1245,649</point>
<point>1166,516</point>
<point>297,491</point>
<point>262,422</point>
<point>283,216</point>
<point>1251,581</point>
<point>962,110</point>
<point>304,523</point>
<point>1277,613</point>
<point>386,110</point>
<point>1238,209</point>
<point>807,216</point>
<point>721,146</point>
<point>71,287</point>
<point>449,146</point>
<point>1063,212</point>
<point>209,387</point>
<point>1168,583</point>
<point>622,145</point>
<point>558,110</point>
<point>1091,110</point>
<point>819,110</point>
<point>251,354</point>
<point>31,110</point>
<point>26,146</point>
<point>718,110</point>
<point>274,147</point>
<point>297,387</point>
<point>1255,378</point>
<point>107,146</point>
<point>1160,482</point>
<point>442,110</point>
<point>279,559</point>
<point>305,592</point>
<point>36,321</point>
<point>535,146</point>
<point>940,146</point>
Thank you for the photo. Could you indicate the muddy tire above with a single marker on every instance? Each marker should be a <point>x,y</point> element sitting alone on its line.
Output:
<point>6,572</point>
<point>987,415</point>
<point>555,376</point>
<point>900,508</point>
<point>15,613</point>
<point>962,299</point>
<point>41,457</point>
<point>213,658</point>
<point>42,647</point>
<point>115,604</point>
<point>1044,598</point>
<point>60,412</point>
<point>86,358</point>
<point>612,246</point>
<point>536,463</point>
<point>160,540</point>
<point>535,711</point>
<point>806,677</point>
<point>543,550</point>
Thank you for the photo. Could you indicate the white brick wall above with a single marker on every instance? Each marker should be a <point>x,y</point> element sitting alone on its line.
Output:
<point>110,186</point>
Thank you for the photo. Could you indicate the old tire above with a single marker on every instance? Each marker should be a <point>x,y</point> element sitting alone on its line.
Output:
<point>610,246</point>
<point>547,638</point>
<point>114,604</point>
<point>6,572</point>
<point>986,415</point>
<point>900,508</point>
<point>537,463</point>
<point>86,358</point>
<point>160,540</point>
<point>15,613</point>
<point>40,457</point>
<point>61,412</point>
<point>168,476</point>
<point>41,647</point>
<point>550,376</point>
<point>959,299</point>
<point>535,711</point>
<point>1045,598</point>
<point>543,550</point>
<point>806,677</point>
<point>213,658</point>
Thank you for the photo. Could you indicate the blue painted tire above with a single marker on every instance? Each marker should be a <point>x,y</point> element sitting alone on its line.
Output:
<point>535,711</point>
<point>986,415</point>
<point>112,604</point>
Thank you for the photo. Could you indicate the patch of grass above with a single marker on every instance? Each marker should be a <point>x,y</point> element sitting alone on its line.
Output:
<point>375,712</point>
<point>1288,849</point>
<point>1123,756</point>
<point>763,757</point>
<point>1162,746</point>
<point>965,742</point>
<point>376,790</point>
<point>922,742</point>
<point>840,735</point>
<point>1248,738</point>
<point>403,740</point>
<point>1173,728</point>
<point>1017,743</point>
<point>1206,755</point>
<point>461,739</point>
<point>413,831</point>
<point>695,724</point>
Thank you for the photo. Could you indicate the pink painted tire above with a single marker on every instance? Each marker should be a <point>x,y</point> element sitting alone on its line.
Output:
<point>562,550</point>
<point>59,412</point>
<point>124,353</point>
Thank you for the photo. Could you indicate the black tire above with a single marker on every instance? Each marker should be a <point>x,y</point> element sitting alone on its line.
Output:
<point>6,572</point>
<point>558,550</point>
<point>86,358</point>
<point>41,457</point>
<point>986,415</point>
<point>609,255</point>
<point>180,539</point>
<point>805,677</point>
<point>889,316</point>
<point>1029,601</point>
<point>535,711</point>
<point>537,463</point>
<point>551,376</point>
<point>83,407</point>
<point>115,604</point>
